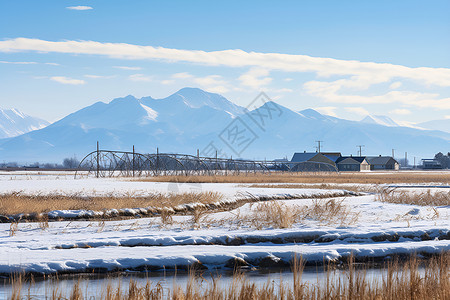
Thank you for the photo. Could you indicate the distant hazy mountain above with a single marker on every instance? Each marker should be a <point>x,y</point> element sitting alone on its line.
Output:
<point>443,125</point>
<point>193,119</point>
<point>14,123</point>
<point>380,120</point>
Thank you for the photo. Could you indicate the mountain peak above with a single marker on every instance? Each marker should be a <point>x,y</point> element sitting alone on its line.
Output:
<point>196,98</point>
<point>13,123</point>
<point>379,120</point>
<point>123,99</point>
<point>313,114</point>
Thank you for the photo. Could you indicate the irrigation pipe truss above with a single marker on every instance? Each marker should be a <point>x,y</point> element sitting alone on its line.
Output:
<point>107,163</point>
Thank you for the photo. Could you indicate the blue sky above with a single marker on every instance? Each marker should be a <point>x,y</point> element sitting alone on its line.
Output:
<point>344,58</point>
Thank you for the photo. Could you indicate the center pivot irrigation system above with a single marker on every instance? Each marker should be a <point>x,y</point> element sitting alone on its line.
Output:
<point>107,163</point>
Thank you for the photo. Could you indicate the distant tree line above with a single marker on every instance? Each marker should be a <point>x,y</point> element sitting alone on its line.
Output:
<point>67,163</point>
<point>443,159</point>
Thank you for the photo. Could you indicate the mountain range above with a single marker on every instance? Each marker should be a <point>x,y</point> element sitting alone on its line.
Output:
<point>14,123</point>
<point>192,119</point>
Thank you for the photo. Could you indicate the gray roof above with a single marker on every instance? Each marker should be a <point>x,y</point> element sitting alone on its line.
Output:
<point>381,160</point>
<point>301,157</point>
<point>332,156</point>
<point>358,159</point>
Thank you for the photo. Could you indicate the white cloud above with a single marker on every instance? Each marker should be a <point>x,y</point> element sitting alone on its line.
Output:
<point>357,110</point>
<point>99,76</point>
<point>282,90</point>
<point>395,85</point>
<point>183,75</point>
<point>447,117</point>
<point>18,62</point>
<point>212,83</point>
<point>255,78</point>
<point>327,110</point>
<point>323,67</point>
<point>330,92</point>
<point>288,79</point>
<point>79,7</point>
<point>128,68</point>
<point>67,80</point>
<point>27,63</point>
<point>219,89</point>
<point>140,77</point>
<point>401,111</point>
<point>168,81</point>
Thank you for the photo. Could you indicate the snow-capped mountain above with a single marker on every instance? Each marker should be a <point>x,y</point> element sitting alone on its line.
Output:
<point>380,120</point>
<point>193,119</point>
<point>14,123</point>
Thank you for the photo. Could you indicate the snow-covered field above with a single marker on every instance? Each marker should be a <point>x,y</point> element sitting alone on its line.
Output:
<point>377,230</point>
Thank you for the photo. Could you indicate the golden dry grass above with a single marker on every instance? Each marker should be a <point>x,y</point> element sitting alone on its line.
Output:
<point>439,198</point>
<point>322,177</point>
<point>15,203</point>
<point>324,186</point>
<point>400,281</point>
<point>276,214</point>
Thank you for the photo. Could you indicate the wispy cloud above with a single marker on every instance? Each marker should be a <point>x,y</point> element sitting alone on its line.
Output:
<point>395,85</point>
<point>323,67</point>
<point>401,111</point>
<point>255,78</point>
<point>331,92</point>
<point>79,7</point>
<point>327,110</point>
<point>182,75</point>
<point>128,68</point>
<point>67,80</point>
<point>27,63</point>
<point>354,77</point>
<point>140,77</point>
<point>211,83</point>
<point>357,110</point>
<point>18,62</point>
<point>99,76</point>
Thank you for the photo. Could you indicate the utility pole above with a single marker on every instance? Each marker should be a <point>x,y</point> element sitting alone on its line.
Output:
<point>157,160</point>
<point>216,164</point>
<point>318,145</point>
<point>98,160</point>
<point>414,162</point>
<point>406,159</point>
<point>133,161</point>
<point>393,152</point>
<point>360,149</point>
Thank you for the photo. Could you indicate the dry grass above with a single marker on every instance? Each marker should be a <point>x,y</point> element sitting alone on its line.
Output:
<point>424,198</point>
<point>15,203</point>
<point>13,228</point>
<point>324,186</point>
<point>322,177</point>
<point>277,214</point>
<point>400,281</point>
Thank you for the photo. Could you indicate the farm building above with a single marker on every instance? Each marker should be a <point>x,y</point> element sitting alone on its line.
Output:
<point>352,163</point>
<point>299,157</point>
<point>334,156</point>
<point>431,164</point>
<point>383,163</point>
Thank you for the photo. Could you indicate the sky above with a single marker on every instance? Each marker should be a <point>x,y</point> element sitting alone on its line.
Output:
<point>342,58</point>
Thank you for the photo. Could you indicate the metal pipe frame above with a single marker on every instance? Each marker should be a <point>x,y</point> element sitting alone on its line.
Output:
<point>107,163</point>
